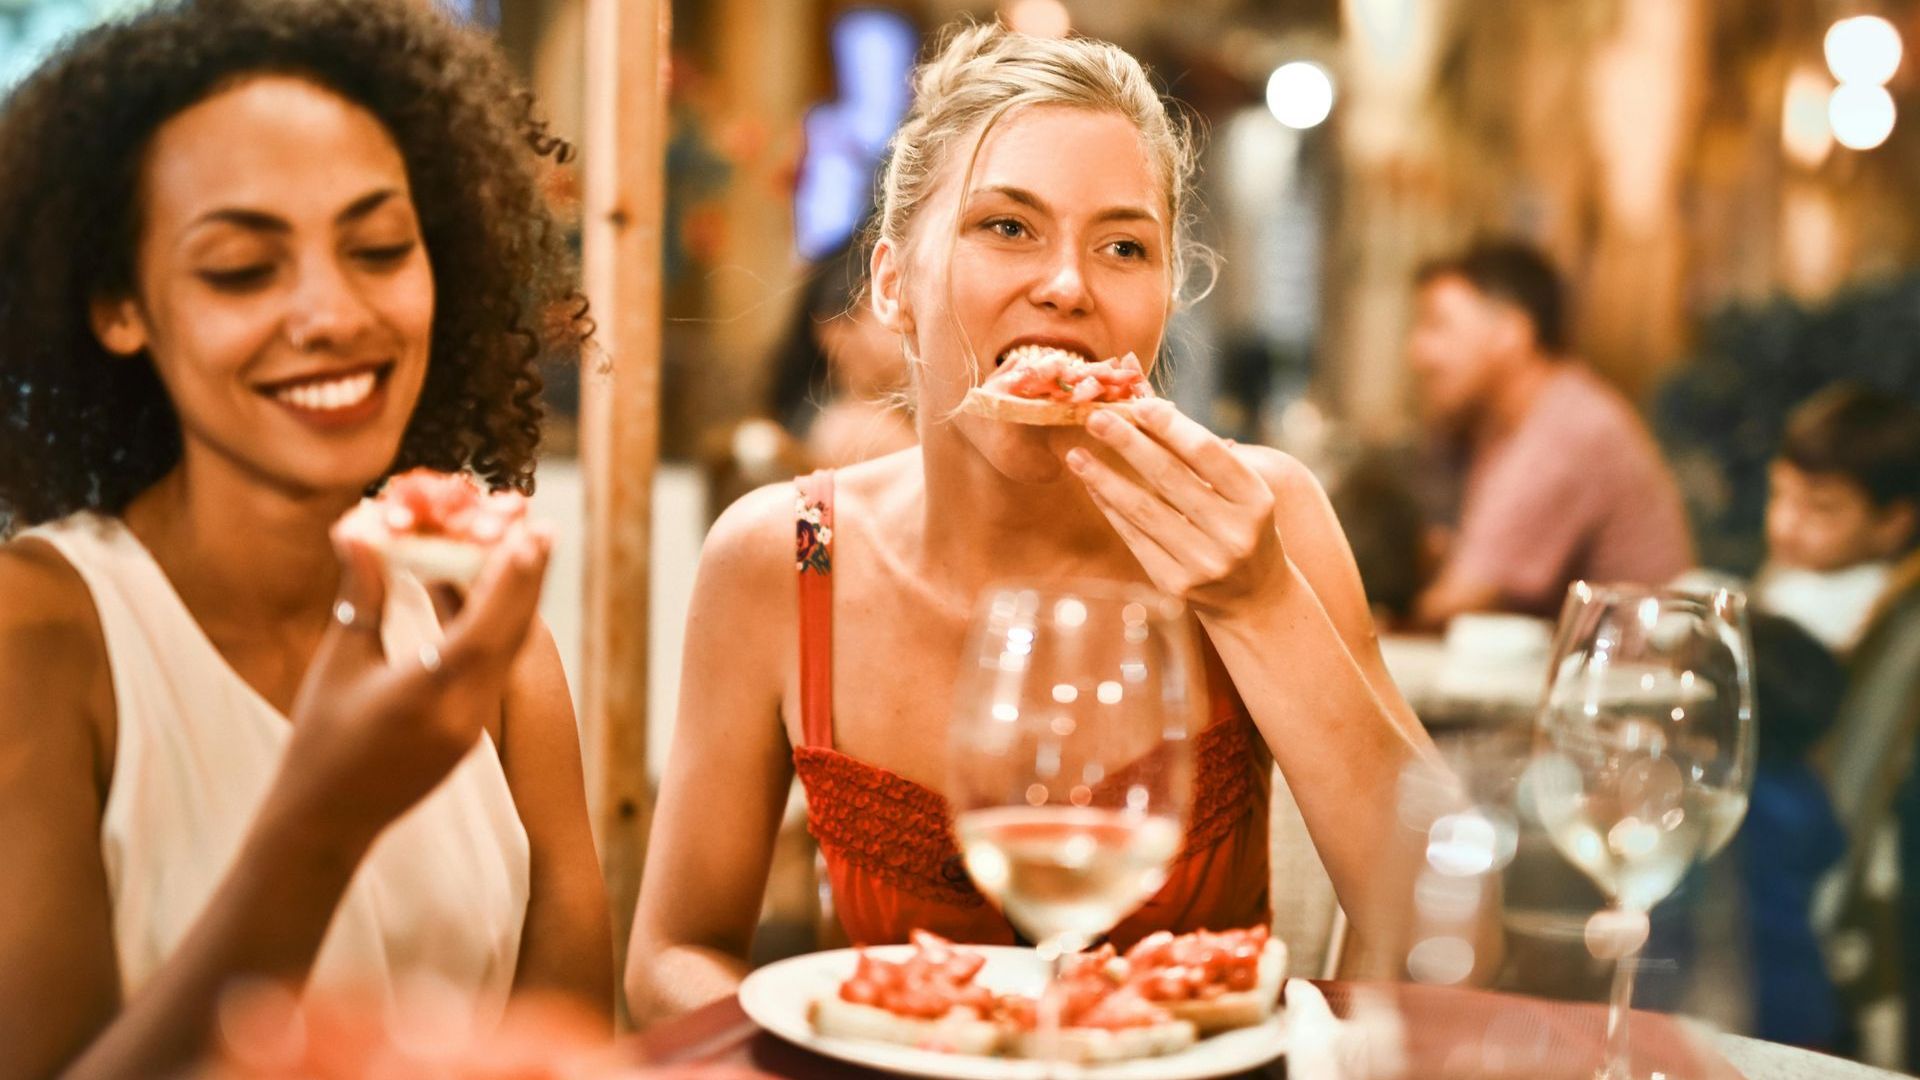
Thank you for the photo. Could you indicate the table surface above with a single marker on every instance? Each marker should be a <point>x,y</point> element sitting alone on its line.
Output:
<point>1500,1035</point>
<point>1449,690</point>
<point>1758,1060</point>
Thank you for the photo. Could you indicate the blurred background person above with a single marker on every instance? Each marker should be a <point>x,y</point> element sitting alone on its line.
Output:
<point>1791,838</point>
<point>1561,479</point>
<point>1843,510</point>
<point>840,379</point>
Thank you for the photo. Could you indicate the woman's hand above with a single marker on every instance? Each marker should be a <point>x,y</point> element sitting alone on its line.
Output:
<point>370,737</point>
<point>1198,518</point>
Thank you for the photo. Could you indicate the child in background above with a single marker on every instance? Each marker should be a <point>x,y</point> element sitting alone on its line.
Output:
<point>1791,837</point>
<point>1844,508</point>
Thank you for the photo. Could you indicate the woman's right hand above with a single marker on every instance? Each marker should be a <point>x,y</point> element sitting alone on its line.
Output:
<point>372,737</point>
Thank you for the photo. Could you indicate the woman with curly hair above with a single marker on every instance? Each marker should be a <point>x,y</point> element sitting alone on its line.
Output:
<point>260,255</point>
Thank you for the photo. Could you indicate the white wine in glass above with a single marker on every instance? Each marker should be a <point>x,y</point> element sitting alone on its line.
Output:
<point>1645,749</point>
<point>1070,755</point>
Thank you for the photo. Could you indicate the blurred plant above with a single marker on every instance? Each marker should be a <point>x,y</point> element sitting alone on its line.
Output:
<point>1721,413</point>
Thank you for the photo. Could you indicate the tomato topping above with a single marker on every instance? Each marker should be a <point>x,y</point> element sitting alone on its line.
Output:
<point>1199,966</point>
<point>1046,374</point>
<point>423,502</point>
<point>935,979</point>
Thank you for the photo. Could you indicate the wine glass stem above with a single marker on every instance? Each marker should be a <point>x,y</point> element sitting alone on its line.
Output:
<point>1618,1062</point>
<point>1053,1002</point>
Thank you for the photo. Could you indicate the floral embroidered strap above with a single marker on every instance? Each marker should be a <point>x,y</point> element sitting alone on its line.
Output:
<point>813,561</point>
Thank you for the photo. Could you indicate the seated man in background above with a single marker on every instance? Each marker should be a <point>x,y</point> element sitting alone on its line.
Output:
<point>1562,479</point>
<point>1844,507</point>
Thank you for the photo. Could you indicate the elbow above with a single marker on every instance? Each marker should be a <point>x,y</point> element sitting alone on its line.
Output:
<point>665,978</point>
<point>638,983</point>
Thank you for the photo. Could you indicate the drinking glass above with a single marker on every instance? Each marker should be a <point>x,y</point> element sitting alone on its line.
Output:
<point>1070,757</point>
<point>1644,751</point>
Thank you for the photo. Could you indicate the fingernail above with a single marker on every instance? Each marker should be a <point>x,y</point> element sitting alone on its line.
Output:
<point>1076,459</point>
<point>1101,422</point>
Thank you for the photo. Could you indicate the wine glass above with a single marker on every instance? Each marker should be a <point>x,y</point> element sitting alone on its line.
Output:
<point>1070,758</point>
<point>1644,752</point>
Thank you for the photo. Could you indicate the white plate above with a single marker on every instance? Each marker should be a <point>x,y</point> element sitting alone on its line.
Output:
<point>776,997</point>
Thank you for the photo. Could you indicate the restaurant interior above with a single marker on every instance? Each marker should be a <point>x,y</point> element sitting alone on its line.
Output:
<point>1728,193</point>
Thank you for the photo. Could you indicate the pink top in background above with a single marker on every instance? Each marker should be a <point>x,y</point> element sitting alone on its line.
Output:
<point>1578,490</point>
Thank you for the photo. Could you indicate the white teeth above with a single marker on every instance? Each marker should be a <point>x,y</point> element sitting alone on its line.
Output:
<point>1032,353</point>
<point>329,395</point>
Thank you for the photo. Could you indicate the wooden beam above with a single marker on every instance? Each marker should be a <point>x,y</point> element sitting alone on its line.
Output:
<point>624,160</point>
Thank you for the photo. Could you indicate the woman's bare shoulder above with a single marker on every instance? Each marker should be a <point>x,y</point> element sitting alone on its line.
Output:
<point>53,655</point>
<point>751,545</point>
<point>47,616</point>
<point>1300,508</point>
<point>1283,472</point>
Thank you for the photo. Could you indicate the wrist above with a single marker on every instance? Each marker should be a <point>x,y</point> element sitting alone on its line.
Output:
<point>1256,612</point>
<point>319,841</point>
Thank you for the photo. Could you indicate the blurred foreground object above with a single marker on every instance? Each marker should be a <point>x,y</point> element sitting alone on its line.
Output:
<point>268,1033</point>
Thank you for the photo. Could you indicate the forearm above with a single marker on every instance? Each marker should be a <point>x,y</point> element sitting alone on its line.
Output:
<point>265,920</point>
<point>568,948</point>
<point>1338,744</point>
<point>667,980</point>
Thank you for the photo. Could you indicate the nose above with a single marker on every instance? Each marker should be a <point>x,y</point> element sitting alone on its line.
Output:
<point>326,309</point>
<point>1062,286</point>
<point>1783,525</point>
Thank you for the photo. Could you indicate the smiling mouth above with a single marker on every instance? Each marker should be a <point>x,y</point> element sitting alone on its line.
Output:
<point>329,393</point>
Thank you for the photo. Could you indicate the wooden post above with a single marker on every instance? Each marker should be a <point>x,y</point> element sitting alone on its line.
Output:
<point>624,160</point>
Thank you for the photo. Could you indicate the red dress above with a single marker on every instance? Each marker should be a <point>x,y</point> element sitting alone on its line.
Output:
<point>888,842</point>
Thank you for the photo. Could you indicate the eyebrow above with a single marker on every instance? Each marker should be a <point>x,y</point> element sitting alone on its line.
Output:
<point>1029,199</point>
<point>261,221</point>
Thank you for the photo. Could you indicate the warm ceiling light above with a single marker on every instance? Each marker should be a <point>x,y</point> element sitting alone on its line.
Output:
<point>1300,94</point>
<point>1864,49</point>
<point>1862,115</point>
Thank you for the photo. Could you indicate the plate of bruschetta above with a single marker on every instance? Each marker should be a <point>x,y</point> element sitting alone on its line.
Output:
<point>1172,1007</point>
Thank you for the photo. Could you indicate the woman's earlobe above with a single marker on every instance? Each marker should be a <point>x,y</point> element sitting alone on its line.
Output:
<point>118,325</point>
<point>884,294</point>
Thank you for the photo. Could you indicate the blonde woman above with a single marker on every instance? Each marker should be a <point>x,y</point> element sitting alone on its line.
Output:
<point>1035,194</point>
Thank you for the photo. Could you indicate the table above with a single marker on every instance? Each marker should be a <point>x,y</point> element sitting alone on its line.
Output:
<point>1758,1060</point>
<point>1451,692</point>
<point>1446,1032</point>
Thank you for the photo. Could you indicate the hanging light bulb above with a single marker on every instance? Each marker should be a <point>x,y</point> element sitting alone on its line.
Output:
<point>1864,49</point>
<point>1300,94</point>
<point>1862,115</point>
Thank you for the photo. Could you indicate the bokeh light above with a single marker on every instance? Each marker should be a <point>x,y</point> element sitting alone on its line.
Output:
<point>1862,116</point>
<point>1864,49</point>
<point>1300,94</point>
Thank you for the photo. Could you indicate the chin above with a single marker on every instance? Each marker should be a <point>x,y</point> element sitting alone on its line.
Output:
<point>1023,454</point>
<point>342,471</point>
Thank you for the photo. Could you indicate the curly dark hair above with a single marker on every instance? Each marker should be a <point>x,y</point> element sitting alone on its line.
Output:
<point>81,430</point>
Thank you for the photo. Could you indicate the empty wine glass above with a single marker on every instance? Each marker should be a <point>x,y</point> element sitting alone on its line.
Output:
<point>1070,758</point>
<point>1644,751</point>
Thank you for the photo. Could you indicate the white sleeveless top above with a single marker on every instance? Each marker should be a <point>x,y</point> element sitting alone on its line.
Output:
<point>442,892</point>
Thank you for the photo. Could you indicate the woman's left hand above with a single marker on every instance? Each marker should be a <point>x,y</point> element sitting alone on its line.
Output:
<point>1199,519</point>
